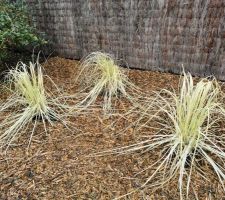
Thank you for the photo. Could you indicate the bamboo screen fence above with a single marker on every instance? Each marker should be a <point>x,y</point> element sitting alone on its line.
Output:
<point>148,34</point>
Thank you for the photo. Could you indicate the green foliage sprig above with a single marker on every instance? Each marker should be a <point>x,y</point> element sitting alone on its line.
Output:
<point>16,30</point>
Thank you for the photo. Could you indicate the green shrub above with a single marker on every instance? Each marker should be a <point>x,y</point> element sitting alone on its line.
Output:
<point>16,30</point>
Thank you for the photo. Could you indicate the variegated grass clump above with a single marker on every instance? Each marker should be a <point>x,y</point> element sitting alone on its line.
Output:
<point>101,76</point>
<point>187,132</point>
<point>28,103</point>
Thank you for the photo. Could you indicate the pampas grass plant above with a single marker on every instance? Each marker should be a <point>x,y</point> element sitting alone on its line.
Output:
<point>187,131</point>
<point>101,76</point>
<point>28,103</point>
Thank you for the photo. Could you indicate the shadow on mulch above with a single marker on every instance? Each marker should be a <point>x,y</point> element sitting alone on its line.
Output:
<point>14,56</point>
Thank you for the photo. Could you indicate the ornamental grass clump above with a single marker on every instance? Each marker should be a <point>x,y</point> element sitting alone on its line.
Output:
<point>28,103</point>
<point>188,133</point>
<point>101,76</point>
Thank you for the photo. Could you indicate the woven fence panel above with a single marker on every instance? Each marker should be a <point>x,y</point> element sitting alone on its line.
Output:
<point>148,34</point>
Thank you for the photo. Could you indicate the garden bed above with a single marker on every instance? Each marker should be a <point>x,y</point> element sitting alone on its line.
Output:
<point>58,165</point>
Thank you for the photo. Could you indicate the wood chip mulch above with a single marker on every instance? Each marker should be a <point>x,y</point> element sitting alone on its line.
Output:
<point>58,164</point>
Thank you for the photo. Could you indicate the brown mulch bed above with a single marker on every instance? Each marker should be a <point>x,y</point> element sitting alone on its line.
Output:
<point>58,164</point>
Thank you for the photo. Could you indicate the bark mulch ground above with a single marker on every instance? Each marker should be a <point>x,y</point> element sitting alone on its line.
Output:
<point>58,164</point>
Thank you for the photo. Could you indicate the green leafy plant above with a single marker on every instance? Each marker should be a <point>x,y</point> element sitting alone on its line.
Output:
<point>16,30</point>
<point>187,131</point>
<point>29,102</point>
<point>101,76</point>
